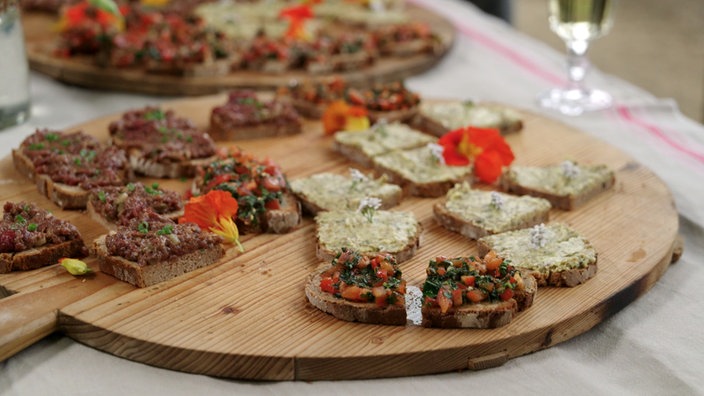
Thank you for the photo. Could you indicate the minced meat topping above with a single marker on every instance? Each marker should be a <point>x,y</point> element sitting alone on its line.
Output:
<point>120,204</point>
<point>243,108</point>
<point>25,226</point>
<point>87,168</point>
<point>152,239</point>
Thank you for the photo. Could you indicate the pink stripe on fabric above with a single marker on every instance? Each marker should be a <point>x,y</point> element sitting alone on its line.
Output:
<point>625,113</point>
<point>534,68</point>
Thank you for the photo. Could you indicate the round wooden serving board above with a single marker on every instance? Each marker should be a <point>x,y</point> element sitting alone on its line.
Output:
<point>247,316</point>
<point>41,39</point>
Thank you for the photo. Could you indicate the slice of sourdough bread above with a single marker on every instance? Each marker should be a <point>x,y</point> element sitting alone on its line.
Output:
<point>438,118</point>
<point>567,185</point>
<point>476,213</point>
<point>555,254</point>
<point>362,147</point>
<point>419,172</point>
<point>329,191</point>
<point>41,256</point>
<point>393,232</point>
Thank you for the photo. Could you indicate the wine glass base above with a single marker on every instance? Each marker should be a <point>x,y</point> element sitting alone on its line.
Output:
<point>575,101</point>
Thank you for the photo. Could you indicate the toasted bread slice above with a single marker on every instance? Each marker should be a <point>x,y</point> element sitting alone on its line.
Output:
<point>393,232</point>
<point>166,169</point>
<point>465,293</point>
<point>387,305</point>
<point>438,118</point>
<point>153,249</point>
<point>329,191</point>
<point>419,172</point>
<point>285,219</point>
<point>33,238</point>
<point>477,213</point>
<point>567,186</point>
<point>362,147</point>
<point>246,116</point>
<point>555,254</point>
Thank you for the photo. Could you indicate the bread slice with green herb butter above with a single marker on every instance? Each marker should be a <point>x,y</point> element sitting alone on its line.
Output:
<point>382,138</point>
<point>380,231</point>
<point>330,191</point>
<point>420,171</point>
<point>476,213</point>
<point>555,254</point>
<point>567,185</point>
<point>438,118</point>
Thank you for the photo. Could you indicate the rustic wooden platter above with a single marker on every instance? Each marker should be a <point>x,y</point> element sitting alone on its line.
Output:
<point>247,316</point>
<point>40,38</point>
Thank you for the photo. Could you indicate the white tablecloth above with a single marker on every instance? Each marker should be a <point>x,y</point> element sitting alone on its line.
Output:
<point>653,346</point>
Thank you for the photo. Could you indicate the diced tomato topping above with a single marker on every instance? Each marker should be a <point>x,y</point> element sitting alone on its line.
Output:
<point>273,204</point>
<point>443,301</point>
<point>468,280</point>
<point>217,180</point>
<point>272,184</point>
<point>476,295</point>
<point>354,293</point>
<point>507,294</point>
<point>457,297</point>
<point>327,285</point>
<point>442,271</point>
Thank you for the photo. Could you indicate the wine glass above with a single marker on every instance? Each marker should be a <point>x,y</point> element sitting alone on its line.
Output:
<point>577,22</point>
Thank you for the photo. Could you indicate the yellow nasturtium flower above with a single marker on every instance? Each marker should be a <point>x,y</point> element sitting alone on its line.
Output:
<point>75,266</point>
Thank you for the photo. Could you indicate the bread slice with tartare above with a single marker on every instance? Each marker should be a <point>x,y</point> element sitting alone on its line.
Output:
<point>471,292</point>
<point>567,185</point>
<point>556,254</point>
<point>360,288</point>
<point>477,213</point>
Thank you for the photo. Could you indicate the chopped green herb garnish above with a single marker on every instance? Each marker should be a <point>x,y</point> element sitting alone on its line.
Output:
<point>52,137</point>
<point>101,196</point>
<point>154,115</point>
<point>130,187</point>
<point>19,219</point>
<point>166,230</point>
<point>36,146</point>
<point>143,227</point>
<point>32,227</point>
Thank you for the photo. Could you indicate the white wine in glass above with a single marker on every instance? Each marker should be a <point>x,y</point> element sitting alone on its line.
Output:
<point>577,22</point>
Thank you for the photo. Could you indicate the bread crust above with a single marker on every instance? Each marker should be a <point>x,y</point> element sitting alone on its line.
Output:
<point>483,315</point>
<point>351,311</point>
<point>168,170</point>
<point>148,275</point>
<point>277,221</point>
<point>567,278</point>
<point>41,256</point>
<point>219,130</point>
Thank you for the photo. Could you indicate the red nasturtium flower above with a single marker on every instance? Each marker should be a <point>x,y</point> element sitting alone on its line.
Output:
<point>297,16</point>
<point>215,212</point>
<point>484,148</point>
<point>339,116</point>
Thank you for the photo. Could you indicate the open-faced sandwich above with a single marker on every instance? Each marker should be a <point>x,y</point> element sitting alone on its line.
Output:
<point>161,144</point>
<point>31,237</point>
<point>360,288</point>
<point>113,206</point>
<point>246,116</point>
<point>406,39</point>
<point>363,146</point>
<point>438,118</point>
<point>330,191</point>
<point>65,166</point>
<point>477,213</point>
<point>554,253</point>
<point>265,201</point>
<point>152,249</point>
<point>471,292</point>
<point>567,185</point>
<point>368,231</point>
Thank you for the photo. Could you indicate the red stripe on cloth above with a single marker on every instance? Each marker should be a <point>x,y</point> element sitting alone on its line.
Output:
<point>625,113</point>
<point>532,67</point>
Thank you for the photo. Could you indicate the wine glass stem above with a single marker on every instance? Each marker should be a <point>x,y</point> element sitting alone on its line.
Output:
<point>577,63</point>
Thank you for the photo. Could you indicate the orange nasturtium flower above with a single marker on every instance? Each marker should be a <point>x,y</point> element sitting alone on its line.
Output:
<point>215,212</point>
<point>297,16</point>
<point>484,148</point>
<point>340,116</point>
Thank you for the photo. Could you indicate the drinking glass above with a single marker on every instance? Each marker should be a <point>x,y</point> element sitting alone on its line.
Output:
<point>578,22</point>
<point>14,73</point>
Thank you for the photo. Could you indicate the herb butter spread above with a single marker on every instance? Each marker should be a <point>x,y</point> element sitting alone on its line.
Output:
<point>382,138</point>
<point>334,192</point>
<point>389,231</point>
<point>561,179</point>
<point>421,166</point>
<point>453,115</point>
<point>559,248</point>
<point>493,211</point>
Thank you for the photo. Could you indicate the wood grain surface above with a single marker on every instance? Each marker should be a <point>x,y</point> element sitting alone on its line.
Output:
<point>247,316</point>
<point>41,37</point>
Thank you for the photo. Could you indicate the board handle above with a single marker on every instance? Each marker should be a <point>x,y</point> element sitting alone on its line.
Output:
<point>26,318</point>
